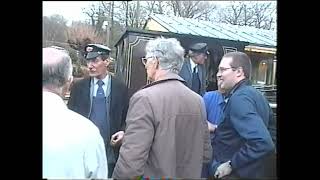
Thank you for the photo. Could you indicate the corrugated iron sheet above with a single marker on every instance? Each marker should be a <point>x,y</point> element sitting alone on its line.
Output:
<point>216,30</point>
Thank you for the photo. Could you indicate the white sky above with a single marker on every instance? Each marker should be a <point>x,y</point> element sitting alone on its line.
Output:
<point>70,10</point>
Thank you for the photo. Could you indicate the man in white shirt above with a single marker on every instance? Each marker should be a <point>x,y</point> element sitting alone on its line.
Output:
<point>72,145</point>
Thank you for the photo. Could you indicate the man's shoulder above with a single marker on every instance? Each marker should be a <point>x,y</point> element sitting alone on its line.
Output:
<point>81,123</point>
<point>81,81</point>
<point>185,62</point>
<point>247,90</point>
<point>118,81</point>
<point>212,93</point>
<point>246,94</point>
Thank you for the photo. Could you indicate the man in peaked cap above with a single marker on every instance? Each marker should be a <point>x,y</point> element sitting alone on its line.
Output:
<point>94,50</point>
<point>193,69</point>
<point>103,99</point>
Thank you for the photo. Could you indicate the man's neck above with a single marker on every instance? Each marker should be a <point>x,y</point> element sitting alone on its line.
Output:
<point>102,76</point>
<point>238,80</point>
<point>160,74</point>
<point>56,91</point>
<point>192,62</point>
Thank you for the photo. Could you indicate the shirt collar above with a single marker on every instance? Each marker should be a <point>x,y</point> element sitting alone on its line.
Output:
<point>239,84</point>
<point>221,99</point>
<point>105,79</point>
<point>192,64</point>
<point>167,77</point>
<point>52,98</point>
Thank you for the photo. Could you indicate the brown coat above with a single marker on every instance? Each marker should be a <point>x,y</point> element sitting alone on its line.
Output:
<point>166,133</point>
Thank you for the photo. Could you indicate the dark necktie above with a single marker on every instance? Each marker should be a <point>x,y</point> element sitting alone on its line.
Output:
<point>100,91</point>
<point>195,81</point>
<point>99,111</point>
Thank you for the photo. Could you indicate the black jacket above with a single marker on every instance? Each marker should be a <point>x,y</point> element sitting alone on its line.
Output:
<point>80,102</point>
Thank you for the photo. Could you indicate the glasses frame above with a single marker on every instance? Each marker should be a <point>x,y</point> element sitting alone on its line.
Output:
<point>222,69</point>
<point>144,60</point>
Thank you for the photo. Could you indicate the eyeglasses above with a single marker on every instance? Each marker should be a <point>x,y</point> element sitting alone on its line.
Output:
<point>145,59</point>
<point>222,69</point>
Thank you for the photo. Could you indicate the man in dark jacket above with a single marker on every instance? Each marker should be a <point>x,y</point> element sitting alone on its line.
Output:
<point>103,99</point>
<point>244,142</point>
<point>193,70</point>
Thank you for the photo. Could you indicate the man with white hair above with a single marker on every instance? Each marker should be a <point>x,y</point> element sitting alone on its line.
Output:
<point>72,145</point>
<point>166,133</point>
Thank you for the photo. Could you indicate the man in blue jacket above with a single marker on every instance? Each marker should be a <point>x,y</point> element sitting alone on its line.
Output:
<point>244,142</point>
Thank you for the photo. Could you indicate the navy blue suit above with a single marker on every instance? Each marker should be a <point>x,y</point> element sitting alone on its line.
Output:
<point>246,134</point>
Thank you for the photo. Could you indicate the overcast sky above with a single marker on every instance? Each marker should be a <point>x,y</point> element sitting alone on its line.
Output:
<point>71,10</point>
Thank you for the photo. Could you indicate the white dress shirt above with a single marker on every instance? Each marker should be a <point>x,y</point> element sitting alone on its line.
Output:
<point>104,86</point>
<point>72,145</point>
<point>193,65</point>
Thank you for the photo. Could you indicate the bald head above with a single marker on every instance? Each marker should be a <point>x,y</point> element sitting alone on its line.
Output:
<point>56,67</point>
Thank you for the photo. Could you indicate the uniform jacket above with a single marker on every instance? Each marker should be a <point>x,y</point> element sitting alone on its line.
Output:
<point>81,97</point>
<point>186,74</point>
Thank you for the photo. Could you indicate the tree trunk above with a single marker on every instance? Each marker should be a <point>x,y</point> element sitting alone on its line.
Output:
<point>137,14</point>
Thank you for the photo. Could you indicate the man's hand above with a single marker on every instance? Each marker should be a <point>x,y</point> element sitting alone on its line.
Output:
<point>116,138</point>
<point>223,170</point>
<point>211,127</point>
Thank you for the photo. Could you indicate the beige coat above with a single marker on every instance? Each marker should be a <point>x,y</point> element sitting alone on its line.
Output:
<point>166,133</point>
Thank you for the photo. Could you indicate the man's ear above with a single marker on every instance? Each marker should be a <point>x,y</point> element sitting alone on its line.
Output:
<point>67,86</point>
<point>239,72</point>
<point>157,64</point>
<point>70,79</point>
<point>107,62</point>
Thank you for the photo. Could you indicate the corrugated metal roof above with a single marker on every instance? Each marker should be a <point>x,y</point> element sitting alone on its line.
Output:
<point>216,30</point>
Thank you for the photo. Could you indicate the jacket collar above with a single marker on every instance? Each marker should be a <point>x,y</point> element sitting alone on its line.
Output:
<point>167,77</point>
<point>239,84</point>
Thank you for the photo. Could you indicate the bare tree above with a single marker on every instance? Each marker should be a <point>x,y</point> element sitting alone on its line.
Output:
<point>98,15</point>
<point>259,14</point>
<point>247,15</point>
<point>91,12</point>
<point>135,15</point>
<point>232,13</point>
<point>79,35</point>
<point>160,7</point>
<point>191,9</point>
<point>262,17</point>
<point>157,7</point>
<point>54,28</point>
<point>151,6</point>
